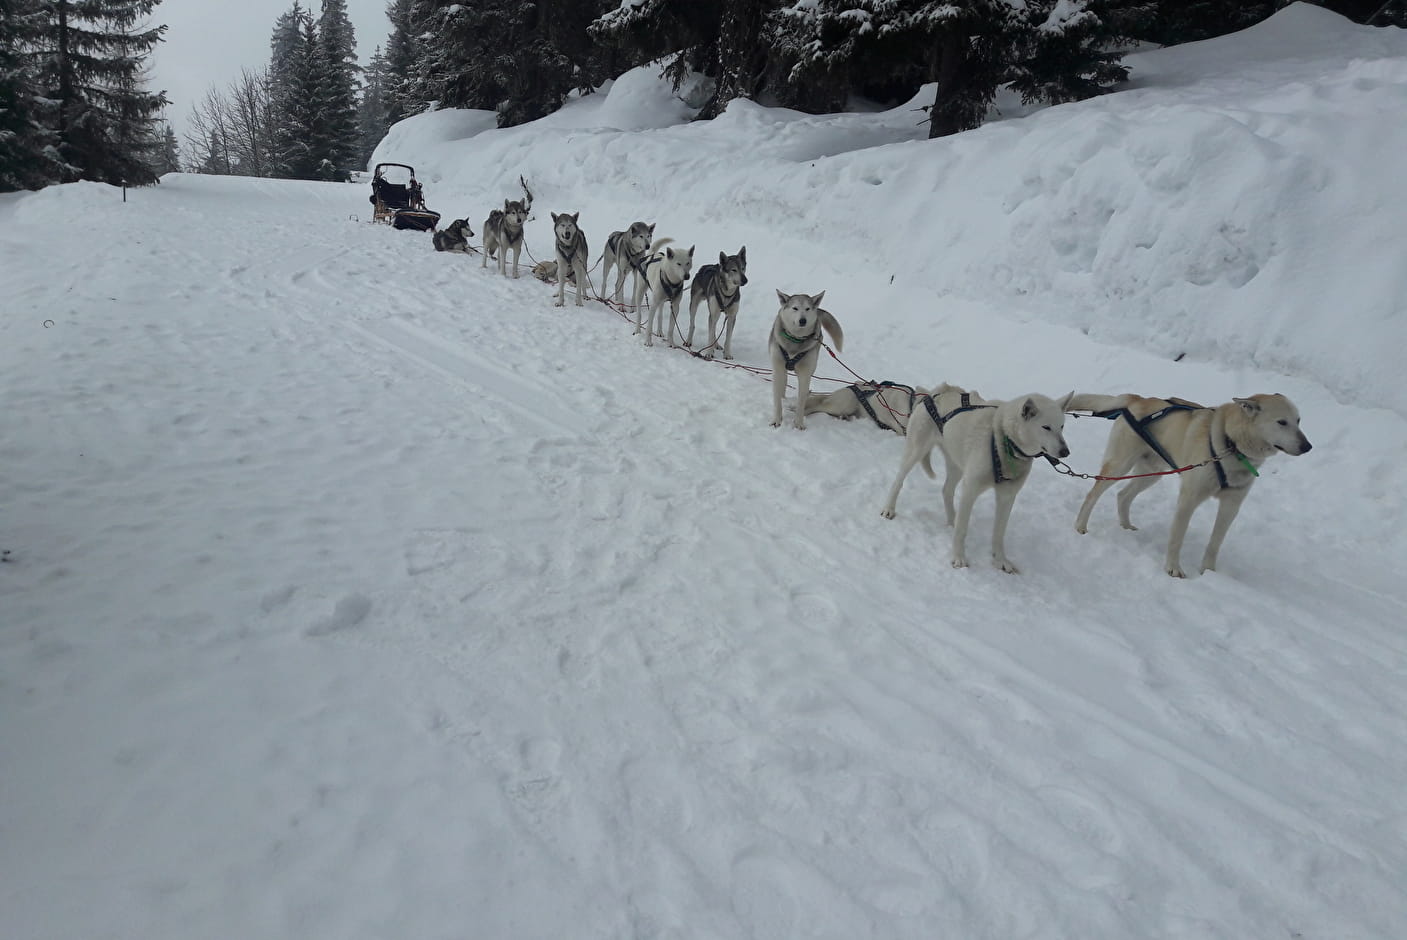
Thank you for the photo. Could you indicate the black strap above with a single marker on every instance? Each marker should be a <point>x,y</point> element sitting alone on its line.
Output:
<point>1216,461</point>
<point>1140,427</point>
<point>863,393</point>
<point>940,420</point>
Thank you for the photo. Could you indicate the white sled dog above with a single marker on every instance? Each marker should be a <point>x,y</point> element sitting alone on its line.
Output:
<point>571,255</point>
<point>454,237</point>
<point>504,229</point>
<point>985,445</point>
<point>796,347</point>
<point>626,251</point>
<point>1230,442</point>
<point>665,273</point>
<point>888,404</point>
<point>721,285</point>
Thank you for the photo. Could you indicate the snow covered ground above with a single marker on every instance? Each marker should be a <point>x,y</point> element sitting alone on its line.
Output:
<point>355,591</point>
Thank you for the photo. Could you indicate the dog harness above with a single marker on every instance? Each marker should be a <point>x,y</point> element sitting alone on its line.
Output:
<point>715,277</point>
<point>1140,427</point>
<point>791,361</point>
<point>863,394</point>
<point>940,420</point>
<point>568,252</point>
<point>1012,451</point>
<point>635,259</point>
<point>1235,452</point>
<point>671,291</point>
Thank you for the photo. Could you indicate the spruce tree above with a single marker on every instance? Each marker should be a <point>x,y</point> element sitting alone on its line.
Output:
<point>402,54</point>
<point>169,157</point>
<point>293,94</point>
<point>28,156</point>
<point>90,56</point>
<point>372,118</point>
<point>338,143</point>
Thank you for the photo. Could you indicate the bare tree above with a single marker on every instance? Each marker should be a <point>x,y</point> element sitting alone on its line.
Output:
<point>231,132</point>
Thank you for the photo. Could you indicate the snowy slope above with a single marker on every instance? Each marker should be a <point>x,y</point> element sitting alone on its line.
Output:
<point>359,592</point>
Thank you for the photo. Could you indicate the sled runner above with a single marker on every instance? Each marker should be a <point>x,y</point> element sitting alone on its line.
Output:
<point>400,204</point>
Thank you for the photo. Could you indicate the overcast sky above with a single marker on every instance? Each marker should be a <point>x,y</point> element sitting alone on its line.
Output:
<point>209,41</point>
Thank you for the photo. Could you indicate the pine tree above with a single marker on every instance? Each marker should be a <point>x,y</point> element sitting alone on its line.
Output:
<point>28,156</point>
<point>372,119</point>
<point>338,143</point>
<point>169,158</point>
<point>293,95</point>
<point>91,54</point>
<point>402,55</point>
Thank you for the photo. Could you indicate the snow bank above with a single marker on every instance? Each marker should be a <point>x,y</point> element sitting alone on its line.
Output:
<point>1225,207</point>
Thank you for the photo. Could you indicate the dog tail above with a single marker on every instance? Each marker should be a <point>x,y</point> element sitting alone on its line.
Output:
<point>832,326</point>
<point>659,242</point>
<point>1098,403</point>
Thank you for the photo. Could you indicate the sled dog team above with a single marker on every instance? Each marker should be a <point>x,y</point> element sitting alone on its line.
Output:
<point>986,444</point>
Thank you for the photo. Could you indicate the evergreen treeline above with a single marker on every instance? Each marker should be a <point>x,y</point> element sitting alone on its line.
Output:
<point>73,98</point>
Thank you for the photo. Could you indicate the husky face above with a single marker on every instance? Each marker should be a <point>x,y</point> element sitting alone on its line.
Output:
<point>459,228</point>
<point>1041,429</point>
<point>1277,421</point>
<point>676,265</point>
<point>515,213</point>
<point>565,227</point>
<point>800,313</point>
<point>732,271</point>
<point>638,238</point>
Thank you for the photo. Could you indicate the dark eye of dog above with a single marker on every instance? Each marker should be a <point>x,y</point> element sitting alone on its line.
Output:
<point>1284,423</point>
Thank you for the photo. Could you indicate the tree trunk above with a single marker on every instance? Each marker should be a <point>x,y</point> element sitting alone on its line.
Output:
<point>945,116</point>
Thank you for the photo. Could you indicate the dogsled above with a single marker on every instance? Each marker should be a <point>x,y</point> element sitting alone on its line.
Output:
<point>401,204</point>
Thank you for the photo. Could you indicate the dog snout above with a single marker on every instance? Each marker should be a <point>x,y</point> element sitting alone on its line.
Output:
<point>1305,446</point>
<point>1064,451</point>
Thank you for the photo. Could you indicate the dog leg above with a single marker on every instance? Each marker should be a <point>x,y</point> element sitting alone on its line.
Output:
<point>1005,494</point>
<point>606,276</point>
<point>656,313</point>
<point>728,343</point>
<point>674,320</point>
<point>915,449</point>
<point>580,272</point>
<point>561,283</point>
<point>1096,491</point>
<point>517,251</point>
<point>953,473</point>
<point>694,301</point>
<point>971,489</point>
<point>779,387</point>
<point>1229,505</point>
<point>639,310</point>
<point>1188,499</point>
<point>804,371</point>
<point>1126,497</point>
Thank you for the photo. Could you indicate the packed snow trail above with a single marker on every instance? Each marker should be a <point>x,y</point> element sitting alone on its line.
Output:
<point>356,591</point>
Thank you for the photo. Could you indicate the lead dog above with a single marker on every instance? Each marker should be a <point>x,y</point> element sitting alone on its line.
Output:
<point>888,404</point>
<point>454,237</point>
<point>721,285</point>
<point>986,445</point>
<point>1228,444</point>
<point>626,250</point>
<point>504,229</point>
<point>664,275</point>
<point>796,347</point>
<point>571,255</point>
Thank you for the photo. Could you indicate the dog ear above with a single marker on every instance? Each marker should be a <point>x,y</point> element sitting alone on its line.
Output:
<point>651,229</point>
<point>575,216</point>
<point>691,252</point>
<point>784,298</point>
<point>1065,402</point>
<point>742,254</point>
<point>669,253</point>
<point>507,205</point>
<point>1029,409</point>
<point>817,299</point>
<point>554,217</point>
<point>1249,405</point>
<point>722,260</point>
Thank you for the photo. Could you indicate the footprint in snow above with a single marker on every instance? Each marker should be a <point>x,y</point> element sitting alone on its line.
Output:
<point>350,611</point>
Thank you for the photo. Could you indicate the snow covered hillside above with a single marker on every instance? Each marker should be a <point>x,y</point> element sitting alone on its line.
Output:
<point>355,591</point>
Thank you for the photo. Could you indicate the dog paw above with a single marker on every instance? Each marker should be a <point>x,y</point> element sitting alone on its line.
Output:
<point>1175,571</point>
<point>1130,526</point>
<point>707,354</point>
<point>1083,530</point>
<point>887,513</point>
<point>559,303</point>
<point>777,423</point>
<point>1005,565</point>
<point>959,561</point>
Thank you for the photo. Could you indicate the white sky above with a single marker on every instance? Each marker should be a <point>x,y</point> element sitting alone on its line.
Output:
<point>209,41</point>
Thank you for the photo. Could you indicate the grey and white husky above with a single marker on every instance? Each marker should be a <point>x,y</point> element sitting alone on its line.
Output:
<point>1229,442</point>
<point>626,251</point>
<point>454,237</point>
<point>504,230</point>
<point>571,255</point>
<point>721,285</point>
<point>796,347</point>
<point>665,273</point>
<point>986,445</point>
